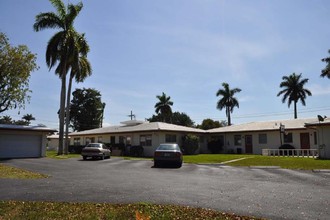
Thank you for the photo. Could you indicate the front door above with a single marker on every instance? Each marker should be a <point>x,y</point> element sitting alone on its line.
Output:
<point>304,141</point>
<point>248,144</point>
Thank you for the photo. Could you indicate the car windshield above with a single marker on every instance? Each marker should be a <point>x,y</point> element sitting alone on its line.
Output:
<point>94,145</point>
<point>168,147</point>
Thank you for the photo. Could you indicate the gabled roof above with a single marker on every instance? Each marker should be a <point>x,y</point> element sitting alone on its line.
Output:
<point>25,128</point>
<point>292,124</point>
<point>144,127</point>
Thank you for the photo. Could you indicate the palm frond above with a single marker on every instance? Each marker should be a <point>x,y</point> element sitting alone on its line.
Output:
<point>47,20</point>
<point>60,7</point>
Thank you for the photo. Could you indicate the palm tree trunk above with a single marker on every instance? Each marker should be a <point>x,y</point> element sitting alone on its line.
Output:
<point>67,117</point>
<point>295,110</point>
<point>62,109</point>
<point>228,115</point>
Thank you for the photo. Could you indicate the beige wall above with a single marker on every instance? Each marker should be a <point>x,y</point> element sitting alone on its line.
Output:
<point>273,140</point>
<point>157,138</point>
<point>324,141</point>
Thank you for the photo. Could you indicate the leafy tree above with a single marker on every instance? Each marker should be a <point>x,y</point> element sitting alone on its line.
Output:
<point>155,118</point>
<point>163,106</point>
<point>210,124</point>
<point>16,64</point>
<point>80,70</point>
<point>181,118</point>
<point>178,118</point>
<point>326,70</point>
<point>294,90</point>
<point>228,101</point>
<point>86,109</point>
<point>61,47</point>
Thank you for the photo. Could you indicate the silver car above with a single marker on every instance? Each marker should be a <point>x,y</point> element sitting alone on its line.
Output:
<point>168,153</point>
<point>95,150</point>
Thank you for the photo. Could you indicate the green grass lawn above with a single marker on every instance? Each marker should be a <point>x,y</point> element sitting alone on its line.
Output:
<point>213,158</point>
<point>53,154</point>
<point>15,173</point>
<point>253,160</point>
<point>284,162</point>
<point>145,211</point>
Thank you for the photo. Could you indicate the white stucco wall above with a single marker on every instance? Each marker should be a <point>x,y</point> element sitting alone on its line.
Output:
<point>324,141</point>
<point>273,140</point>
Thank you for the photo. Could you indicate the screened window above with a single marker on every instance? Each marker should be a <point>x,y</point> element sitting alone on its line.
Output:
<point>99,139</point>
<point>76,141</point>
<point>288,138</point>
<point>170,138</point>
<point>237,140</point>
<point>121,139</point>
<point>262,138</point>
<point>90,140</point>
<point>146,140</point>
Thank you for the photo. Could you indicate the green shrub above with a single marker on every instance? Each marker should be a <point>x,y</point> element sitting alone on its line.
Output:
<point>190,144</point>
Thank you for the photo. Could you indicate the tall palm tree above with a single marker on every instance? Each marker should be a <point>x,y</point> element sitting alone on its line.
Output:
<point>164,107</point>
<point>326,70</point>
<point>60,47</point>
<point>294,90</point>
<point>28,118</point>
<point>228,101</point>
<point>80,70</point>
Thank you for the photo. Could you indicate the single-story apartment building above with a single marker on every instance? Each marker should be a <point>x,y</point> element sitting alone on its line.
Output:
<point>322,127</point>
<point>252,137</point>
<point>134,132</point>
<point>17,141</point>
<point>248,138</point>
<point>53,142</point>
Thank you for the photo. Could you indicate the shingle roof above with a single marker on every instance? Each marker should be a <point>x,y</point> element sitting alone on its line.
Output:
<point>25,128</point>
<point>152,126</point>
<point>264,126</point>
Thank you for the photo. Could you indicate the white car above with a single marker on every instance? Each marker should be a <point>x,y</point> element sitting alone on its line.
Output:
<point>95,150</point>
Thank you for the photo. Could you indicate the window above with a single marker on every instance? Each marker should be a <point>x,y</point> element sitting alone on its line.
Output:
<point>128,140</point>
<point>288,138</point>
<point>262,138</point>
<point>121,139</point>
<point>99,139</point>
<point>237,140</point>
<point>89,140</point>
<point>76,141</point>
<point>146,140</point>
<point>170,138</point>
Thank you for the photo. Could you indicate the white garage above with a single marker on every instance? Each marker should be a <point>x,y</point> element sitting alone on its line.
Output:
<point>23,141</point>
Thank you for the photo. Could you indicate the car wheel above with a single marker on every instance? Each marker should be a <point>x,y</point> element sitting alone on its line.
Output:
<point>84,158</point>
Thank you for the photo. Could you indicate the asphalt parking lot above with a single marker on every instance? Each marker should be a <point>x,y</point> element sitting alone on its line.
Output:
<point>269,193</point>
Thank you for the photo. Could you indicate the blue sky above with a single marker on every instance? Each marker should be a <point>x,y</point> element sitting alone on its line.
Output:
<point>187,49</point>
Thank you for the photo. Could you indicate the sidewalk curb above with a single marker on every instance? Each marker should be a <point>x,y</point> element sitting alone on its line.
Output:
<point>264,167</point>
<point>322,171</point>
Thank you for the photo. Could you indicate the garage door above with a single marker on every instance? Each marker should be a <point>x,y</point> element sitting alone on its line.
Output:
<point>18,146</point>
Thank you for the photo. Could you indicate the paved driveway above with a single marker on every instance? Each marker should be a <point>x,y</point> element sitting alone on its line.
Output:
<point>270,193</point>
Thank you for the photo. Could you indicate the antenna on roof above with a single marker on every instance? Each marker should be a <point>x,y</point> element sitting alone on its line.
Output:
<point>131,116</point>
